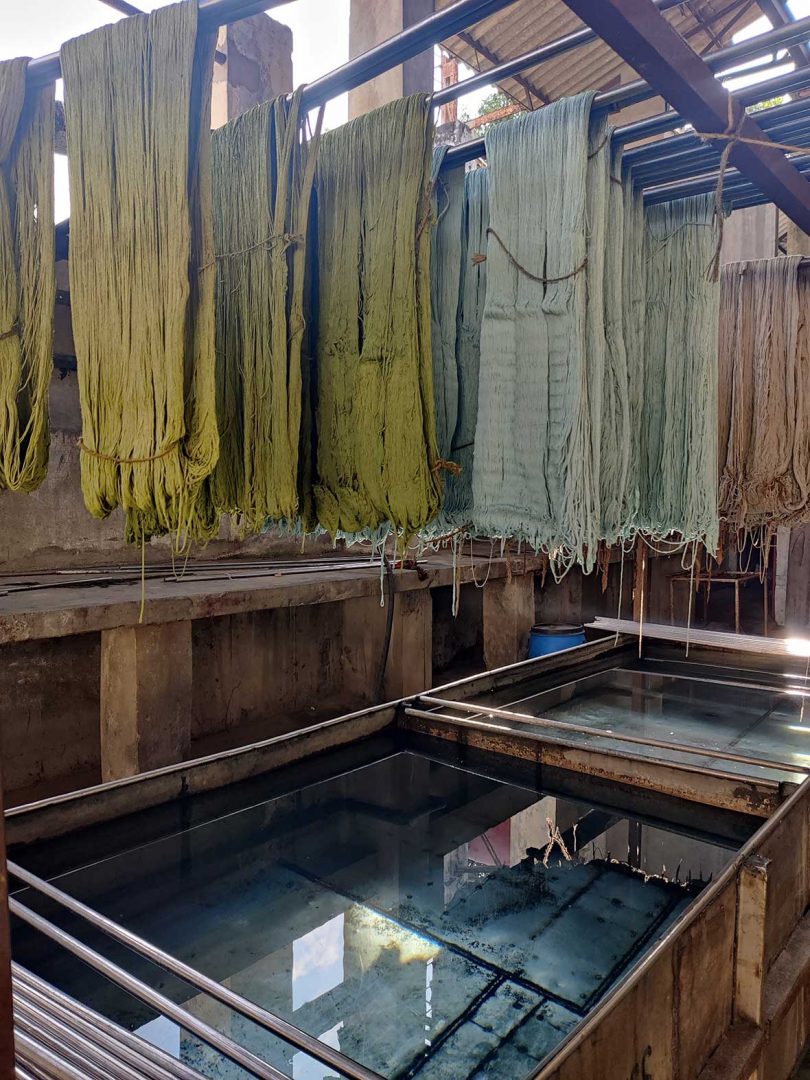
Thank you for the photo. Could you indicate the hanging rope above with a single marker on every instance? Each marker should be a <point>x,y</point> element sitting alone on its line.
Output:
<point>137,103</point>
<point>27,276</point>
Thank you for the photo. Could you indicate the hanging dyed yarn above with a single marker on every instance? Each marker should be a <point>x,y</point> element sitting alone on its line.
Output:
<point>678,454</point>
<point>616,433</point>
<point>533,475</point>
<point>764,353</point>
<point>142,270</point>
<point>263,175</point>
<point>27,276</point>
<point>445,281</point>
<point>634,312</point>
<point>457,509</point>
<point>375,460</point>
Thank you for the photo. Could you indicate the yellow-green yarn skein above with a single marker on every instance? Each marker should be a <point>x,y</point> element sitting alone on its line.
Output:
<point>375,426</point>
<point>27,276</point>
<point>142,273</point>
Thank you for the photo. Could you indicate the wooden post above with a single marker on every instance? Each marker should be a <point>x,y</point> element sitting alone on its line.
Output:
<point>410,659</point>
<point>749,970</point>
<point>145,698</point>
<point>641,582</point>
<point>508,615</point>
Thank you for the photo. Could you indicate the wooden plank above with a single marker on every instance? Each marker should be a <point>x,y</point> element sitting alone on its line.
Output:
<point>508,613</point>
<point>749,967</point>
<point>640,34</point>
<point>705,986</point>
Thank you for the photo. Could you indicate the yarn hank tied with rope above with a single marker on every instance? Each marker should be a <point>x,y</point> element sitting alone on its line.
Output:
<point>27,276</point>
<point>373,425</point>
<point>137,105</point>
<point>263,175</point>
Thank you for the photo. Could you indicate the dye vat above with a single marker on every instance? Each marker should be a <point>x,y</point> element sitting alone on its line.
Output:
<point>429,920</point>
<point>754,714</point>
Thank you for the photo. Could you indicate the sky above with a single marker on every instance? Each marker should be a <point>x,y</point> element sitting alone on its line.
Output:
<point>320,43</point>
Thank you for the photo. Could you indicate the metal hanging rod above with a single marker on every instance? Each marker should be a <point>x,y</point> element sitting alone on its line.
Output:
<point>249,1009</point>
<point>530,59</point>
<point>771,117</point>
<point>733,181</point>
<point>213,13</point>
<point>640,90</point>
<point>252,1064</point>
<point>703,156</point>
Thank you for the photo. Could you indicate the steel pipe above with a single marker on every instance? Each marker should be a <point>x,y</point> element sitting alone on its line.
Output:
<point>221,1043</point>
<point>410,42</point>
<point>530,59</point>
<point>639,91</point>
<point>155,1064</point>
<point>213,13</point>
<point>705,156</point>
<point>249,1009</point>
<point>583,729</point>
<point>701,185</point>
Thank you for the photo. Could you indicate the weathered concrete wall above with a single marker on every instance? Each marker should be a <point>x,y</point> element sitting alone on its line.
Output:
<point>258,66</point>
<point>49,716</point>
<point>373,21</point>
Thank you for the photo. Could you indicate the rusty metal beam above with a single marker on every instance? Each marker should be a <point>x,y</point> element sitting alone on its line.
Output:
<point>637,31</point>
<point>494,59</point>
<point>780,15</point>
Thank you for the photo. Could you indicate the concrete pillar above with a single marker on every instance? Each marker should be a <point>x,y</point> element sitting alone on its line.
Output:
<point>410,660</point>
<point>373,21</point>
<point>508,619</point>
<point>145,698</point>
<point>257,66</point>
<point>751,233</point>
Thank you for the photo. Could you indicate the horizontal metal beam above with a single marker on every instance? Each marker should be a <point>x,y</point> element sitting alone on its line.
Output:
<point>410,42</point>
<point>533,58</point>
<point>639,90</point>
<point>700,158</point>
<point>643,37</point>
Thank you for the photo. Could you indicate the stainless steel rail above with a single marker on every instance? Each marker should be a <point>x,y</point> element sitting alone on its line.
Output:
<point>113,1040</point>
<point>236,1053</point>
<point>583,729</point>
<point>249,1009</point>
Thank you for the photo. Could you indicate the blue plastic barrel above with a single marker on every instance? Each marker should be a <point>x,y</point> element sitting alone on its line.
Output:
<point>553,637</point>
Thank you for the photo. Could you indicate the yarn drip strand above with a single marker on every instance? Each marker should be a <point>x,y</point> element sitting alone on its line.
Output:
<point>137,106</point>
<point>27,276</point>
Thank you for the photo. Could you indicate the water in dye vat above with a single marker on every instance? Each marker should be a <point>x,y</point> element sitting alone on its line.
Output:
<point>754,714</point>
<point>415,915</point>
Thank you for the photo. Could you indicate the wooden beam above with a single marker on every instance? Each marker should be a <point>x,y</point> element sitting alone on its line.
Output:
<point>638,32</point>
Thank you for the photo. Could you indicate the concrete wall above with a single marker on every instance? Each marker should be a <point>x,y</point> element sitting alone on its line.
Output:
<point>373,21</point>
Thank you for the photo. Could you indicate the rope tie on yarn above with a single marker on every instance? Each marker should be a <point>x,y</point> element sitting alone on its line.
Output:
<point>733,136</point>
<point>528,273</point>
<point>599,147</point>
<point>287,239</point>
<point>131,460</point>
<point>452,467</point>
<point>477,258</point>
<point>15,331</point>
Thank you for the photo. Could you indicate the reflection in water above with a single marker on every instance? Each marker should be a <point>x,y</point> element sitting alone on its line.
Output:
<point>429,921</point>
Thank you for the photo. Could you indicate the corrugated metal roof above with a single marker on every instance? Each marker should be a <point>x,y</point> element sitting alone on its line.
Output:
<point>527,24</point>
